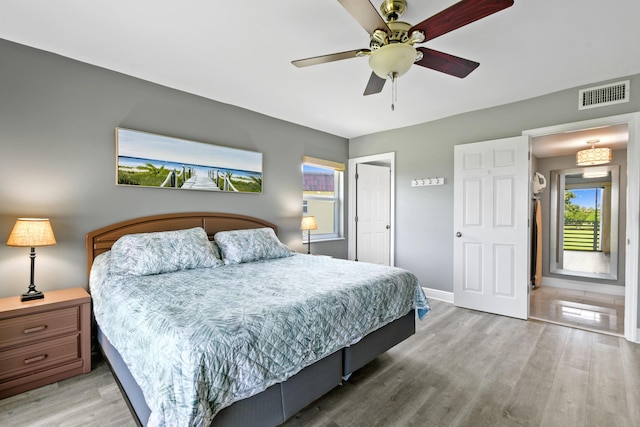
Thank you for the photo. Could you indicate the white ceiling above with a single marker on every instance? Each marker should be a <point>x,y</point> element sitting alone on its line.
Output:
<point>240,53</point>
<point>566,143</point>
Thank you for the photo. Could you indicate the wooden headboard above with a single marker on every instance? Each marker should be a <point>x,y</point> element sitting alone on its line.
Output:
<point>99,241</point>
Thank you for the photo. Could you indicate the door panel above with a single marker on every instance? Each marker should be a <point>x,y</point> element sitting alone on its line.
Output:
<point>503,270</point>
<point>472,262</point>
<point>373,187</point>
<point>491,199</point>
<point>504,202</point>
<point>471,202</point>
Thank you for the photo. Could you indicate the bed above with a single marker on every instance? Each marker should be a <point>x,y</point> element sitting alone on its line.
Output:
<point>274,331</point>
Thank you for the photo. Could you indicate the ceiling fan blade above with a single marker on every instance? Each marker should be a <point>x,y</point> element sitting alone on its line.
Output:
<point>327,58</point>
<point>446,63</point>
<point>459,15</point>
<point>366,15</point>
<point>375,85</point>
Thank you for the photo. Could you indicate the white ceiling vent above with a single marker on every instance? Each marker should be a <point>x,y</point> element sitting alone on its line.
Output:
<point>599,96</point>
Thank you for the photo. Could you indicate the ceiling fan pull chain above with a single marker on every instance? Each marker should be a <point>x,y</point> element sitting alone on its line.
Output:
<point>394,90</point>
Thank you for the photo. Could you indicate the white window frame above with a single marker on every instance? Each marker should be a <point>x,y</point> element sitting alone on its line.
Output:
<point>338,198</point>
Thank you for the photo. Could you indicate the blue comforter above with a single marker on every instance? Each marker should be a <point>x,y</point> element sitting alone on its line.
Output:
<point>198,340</point>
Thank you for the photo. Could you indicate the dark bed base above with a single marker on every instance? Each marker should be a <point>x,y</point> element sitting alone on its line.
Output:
<point>281,401</point>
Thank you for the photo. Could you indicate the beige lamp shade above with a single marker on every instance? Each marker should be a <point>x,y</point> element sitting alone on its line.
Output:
<point>308,223</point>
<point>593,156</point>
<point>32,232</point>
<point>395,58</point>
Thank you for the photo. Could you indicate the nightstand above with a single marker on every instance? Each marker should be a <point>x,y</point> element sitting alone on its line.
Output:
<point>44,341</point>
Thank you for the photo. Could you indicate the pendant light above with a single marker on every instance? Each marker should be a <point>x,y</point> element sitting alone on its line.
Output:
<point>593,156</point>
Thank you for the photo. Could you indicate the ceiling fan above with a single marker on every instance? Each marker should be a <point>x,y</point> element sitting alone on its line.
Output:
<point>391,48</point>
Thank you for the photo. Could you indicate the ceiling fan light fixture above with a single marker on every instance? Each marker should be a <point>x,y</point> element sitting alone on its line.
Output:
<point>393,59</point>
<point>593,156</point>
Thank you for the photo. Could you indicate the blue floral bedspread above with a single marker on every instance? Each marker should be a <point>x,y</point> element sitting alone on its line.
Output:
<point>198,340</point>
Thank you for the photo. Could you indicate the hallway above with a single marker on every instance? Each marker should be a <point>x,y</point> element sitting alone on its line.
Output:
<point>580,309</point>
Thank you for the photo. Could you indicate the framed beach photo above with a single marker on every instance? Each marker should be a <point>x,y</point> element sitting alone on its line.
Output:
<point>149,160</point>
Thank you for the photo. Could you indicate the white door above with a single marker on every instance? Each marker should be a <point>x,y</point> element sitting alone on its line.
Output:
<point>373,227</point>
<point>491,232</point>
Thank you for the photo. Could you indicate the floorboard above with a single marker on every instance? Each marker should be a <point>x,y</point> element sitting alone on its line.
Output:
<point>462,368</point>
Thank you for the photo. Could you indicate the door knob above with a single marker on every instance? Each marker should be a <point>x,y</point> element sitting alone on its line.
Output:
<point>458,234</point>
<point>388,227</point>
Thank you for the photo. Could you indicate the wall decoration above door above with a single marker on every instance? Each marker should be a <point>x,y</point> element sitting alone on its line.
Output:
<point>150,160</point>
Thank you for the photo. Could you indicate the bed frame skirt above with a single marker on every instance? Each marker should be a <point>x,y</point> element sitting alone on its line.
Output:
<point>281,401</point>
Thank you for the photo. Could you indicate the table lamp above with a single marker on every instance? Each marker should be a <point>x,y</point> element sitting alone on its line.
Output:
<point>31,233</point>
<point>308,223</point>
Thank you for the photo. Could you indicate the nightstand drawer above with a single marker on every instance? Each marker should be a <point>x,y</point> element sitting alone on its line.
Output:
<point>26,329</point>
<point>40,356</point>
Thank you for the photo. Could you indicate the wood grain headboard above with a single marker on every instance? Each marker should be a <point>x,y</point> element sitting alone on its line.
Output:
<point>99,241</point>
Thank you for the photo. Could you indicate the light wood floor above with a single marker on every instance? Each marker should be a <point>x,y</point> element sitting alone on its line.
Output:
<point>581,309</point>
<point>462,368</point>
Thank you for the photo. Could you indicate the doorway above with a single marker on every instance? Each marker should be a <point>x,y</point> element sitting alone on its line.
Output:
<point>356,241</point>
<point>577,299</point>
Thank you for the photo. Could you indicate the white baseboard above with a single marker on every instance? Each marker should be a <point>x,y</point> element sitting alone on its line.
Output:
<point>575,285</point>
<point>439,295</point>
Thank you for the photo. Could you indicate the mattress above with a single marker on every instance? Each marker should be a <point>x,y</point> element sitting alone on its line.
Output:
<point>198,340</point>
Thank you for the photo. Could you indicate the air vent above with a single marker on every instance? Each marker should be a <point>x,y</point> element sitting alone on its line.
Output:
<point>599,96</point>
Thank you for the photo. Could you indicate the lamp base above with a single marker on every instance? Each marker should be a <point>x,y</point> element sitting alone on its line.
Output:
<point>31,295</point>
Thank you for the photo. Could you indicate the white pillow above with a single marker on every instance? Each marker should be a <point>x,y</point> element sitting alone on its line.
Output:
<point>162,252</point>
<point>238,246</point>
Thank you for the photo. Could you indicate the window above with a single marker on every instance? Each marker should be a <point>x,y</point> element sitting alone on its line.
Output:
<point>584,216</point>
<point>322,189</point>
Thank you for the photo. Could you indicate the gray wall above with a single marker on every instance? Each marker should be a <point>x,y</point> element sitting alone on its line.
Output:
<point>57,157</point>
<point>545,166</point>
<point>424,221</point>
